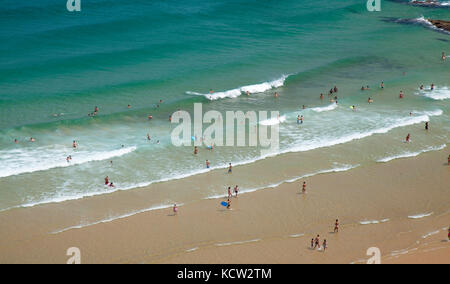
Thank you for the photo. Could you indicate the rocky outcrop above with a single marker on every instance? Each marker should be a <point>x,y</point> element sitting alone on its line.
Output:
<point>445,25</point>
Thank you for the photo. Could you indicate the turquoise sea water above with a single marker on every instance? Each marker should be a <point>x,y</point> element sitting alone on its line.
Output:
<point>56,66</point>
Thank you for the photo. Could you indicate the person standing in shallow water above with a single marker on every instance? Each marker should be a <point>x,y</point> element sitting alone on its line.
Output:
<point>175,209</point>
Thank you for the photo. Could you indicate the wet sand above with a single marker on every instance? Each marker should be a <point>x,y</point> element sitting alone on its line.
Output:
<point>273,225</point>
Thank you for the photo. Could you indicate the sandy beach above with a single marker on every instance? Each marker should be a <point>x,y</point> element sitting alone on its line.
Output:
<point>400,207</point>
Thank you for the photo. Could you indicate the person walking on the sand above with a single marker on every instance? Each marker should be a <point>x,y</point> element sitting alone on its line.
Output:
<point>317,242</point>
<point>336,226</point>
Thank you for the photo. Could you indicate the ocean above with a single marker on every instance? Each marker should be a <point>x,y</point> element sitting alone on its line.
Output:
<point>57,66</point>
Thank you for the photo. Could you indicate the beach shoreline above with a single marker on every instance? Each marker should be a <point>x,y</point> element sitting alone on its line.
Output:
<point>390,205</point>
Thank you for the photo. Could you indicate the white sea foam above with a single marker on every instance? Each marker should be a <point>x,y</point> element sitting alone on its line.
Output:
<point>373,222</point>
<point>326,108</point>
<point>237,243</point>
<point>192,249</point>
<point>113,218</point>
<point>297,235</point>
<point>252,89</point>
<point>439,93</point>
<point>420,216</point>
<point>273,121</point>
<point>411,154</point>
<point>430,234</point>
<point>328,142</point>
<point>432,3</point>
<point>20,161</point>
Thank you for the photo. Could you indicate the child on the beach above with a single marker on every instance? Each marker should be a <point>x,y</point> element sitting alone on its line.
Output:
<point>324,245</point>
<point>175,209</point>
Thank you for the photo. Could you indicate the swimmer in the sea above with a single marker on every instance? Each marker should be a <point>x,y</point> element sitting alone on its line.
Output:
<point>408,137</point>
<point>148,137</point>
<point>195,150</point>
<point>32,139</point>
<point>207,164</point>
<point>74,144</point>
<point>401,95</point>
<point>321,96</point>
<point>370,100</point>
<point>382,85</point>
<point>443,56</point>
<point>422,87</point>
<point>276,95</point>
<point>16,141</point>
<point>432,87</point>
<point>427,126</point>
<point>106,180</point>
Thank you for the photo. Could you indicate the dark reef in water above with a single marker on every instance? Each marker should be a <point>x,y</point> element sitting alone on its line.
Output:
<point>445,25</point>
